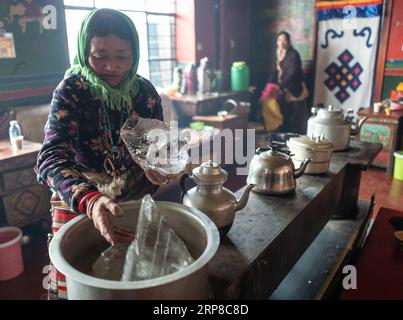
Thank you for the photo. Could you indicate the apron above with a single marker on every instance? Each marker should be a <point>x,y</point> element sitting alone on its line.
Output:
<point>61,214</point>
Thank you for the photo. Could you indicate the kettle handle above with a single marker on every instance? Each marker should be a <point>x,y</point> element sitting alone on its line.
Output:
<point>300,171</point>
<point>262,149</point>
<point>315,109</point>
<point>182,182</point>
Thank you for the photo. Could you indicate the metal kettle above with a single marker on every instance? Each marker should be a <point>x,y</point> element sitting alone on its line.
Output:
<point>333,126</point>
<point>211,197</point>
<point>273,172</point>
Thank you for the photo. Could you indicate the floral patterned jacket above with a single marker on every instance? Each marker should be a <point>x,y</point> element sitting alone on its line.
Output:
<point>75,140</point>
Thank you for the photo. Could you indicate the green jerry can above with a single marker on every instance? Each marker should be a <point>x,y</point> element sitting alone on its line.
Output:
<point>240,76</point>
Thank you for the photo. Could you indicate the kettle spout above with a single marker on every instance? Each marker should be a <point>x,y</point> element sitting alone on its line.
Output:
<point>299,172</point>
<point>241,203</point>
<point>356,130</point>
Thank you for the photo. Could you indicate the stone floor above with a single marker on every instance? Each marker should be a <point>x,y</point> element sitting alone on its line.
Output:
<point>388,191</point>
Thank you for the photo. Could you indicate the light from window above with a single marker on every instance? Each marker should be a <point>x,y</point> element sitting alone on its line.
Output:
<point>155,24</point>
<point>160,6</point>
<point>161,49</point>
<point>139,20</point>
<point>79,3</point>
<point>136,5</point>
<point>73,23</point>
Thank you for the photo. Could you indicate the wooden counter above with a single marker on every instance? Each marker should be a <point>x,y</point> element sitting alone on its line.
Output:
<point>271,233</point>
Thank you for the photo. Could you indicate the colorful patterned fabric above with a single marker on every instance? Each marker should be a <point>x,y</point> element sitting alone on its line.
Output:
<point>346,52</point>
<point>74,144</point>
<point>343,76</point>
<point>61,214</point>
<point>273,118</point>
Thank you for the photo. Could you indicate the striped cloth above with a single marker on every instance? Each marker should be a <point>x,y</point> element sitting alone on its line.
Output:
<point>61,213</point>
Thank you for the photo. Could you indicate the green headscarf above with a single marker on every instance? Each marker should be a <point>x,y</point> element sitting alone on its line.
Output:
<point>116,98</point>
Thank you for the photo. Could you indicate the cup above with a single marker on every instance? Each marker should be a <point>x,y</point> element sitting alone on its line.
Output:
<point>377,107</point>
<point>16,142</point>
<point>222,114</point>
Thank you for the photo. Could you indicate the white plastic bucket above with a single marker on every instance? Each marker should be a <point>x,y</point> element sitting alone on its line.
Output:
<point>11,261</point>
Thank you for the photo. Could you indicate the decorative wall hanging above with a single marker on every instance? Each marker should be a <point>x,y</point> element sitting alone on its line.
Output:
<point>34,64</point>
<point>347,42</point>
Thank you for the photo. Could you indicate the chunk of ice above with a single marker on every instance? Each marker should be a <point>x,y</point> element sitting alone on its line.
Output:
<point>154,145</point>
<point>109,264</point>
<point>156,250</point>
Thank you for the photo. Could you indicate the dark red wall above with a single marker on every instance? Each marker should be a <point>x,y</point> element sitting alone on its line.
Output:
<point>395,43</point>
<point>206,27</point>
<point>235,35</point>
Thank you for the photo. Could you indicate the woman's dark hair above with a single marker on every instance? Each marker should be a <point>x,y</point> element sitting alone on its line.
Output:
<point>286,35</point>
<point>106,24</point>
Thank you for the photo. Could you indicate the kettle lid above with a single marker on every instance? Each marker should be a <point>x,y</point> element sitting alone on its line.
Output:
<point>331,112</point>
<point>274,158</point>
<point>311,142</point>
<point>210,172</point>
<point>329,117</point>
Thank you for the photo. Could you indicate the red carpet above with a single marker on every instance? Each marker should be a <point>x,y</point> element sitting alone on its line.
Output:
<point>380,263</point>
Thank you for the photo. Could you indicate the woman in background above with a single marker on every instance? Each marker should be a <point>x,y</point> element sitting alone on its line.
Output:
<point>288,75</point>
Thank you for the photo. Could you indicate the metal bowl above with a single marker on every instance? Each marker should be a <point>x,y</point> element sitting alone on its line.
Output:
<point>77,245</point>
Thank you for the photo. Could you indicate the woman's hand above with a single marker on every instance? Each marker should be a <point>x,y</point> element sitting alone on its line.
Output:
<point>101,212</point>
<point>159,179</point>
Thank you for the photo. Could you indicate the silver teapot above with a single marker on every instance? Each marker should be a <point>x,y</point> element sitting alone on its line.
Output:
<point>211,197</point>
<point>273,172</point>
<point>331,124</point>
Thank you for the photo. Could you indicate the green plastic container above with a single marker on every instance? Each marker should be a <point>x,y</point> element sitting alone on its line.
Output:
<point>240,75</point>
<point>398,167</point>
<point>197,125</point>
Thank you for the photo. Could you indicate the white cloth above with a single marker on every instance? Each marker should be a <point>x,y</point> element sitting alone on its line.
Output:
<point>345,56</point>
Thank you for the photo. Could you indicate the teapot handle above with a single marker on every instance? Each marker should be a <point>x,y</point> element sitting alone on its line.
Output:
<point>261,149</point>
<point>315,109</point>
<point>182,185</point>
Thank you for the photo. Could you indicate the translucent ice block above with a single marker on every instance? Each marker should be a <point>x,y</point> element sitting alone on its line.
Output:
<point>156,250</point>
<point>109,264</point>
<point>154,145</point>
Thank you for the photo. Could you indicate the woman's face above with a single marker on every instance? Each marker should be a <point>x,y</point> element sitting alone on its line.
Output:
<point>111,58</point>
<point>282,42</point>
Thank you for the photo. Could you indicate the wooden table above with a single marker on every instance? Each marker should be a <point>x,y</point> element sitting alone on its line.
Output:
<point>22,199</point>
<point>230,121</point>
<point>188,106</point>
<point>383,129</point>
<point>271,233</point>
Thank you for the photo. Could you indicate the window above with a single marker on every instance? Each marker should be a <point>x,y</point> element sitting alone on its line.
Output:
<point>155,24</point>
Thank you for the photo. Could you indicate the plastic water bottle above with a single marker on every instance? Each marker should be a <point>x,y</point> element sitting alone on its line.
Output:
<point>15,135</point>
